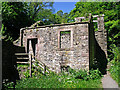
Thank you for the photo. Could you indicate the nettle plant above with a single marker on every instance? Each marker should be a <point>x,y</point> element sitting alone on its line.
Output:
<point>85,75</point>
<point>26,74</point>
<point>115,53</point>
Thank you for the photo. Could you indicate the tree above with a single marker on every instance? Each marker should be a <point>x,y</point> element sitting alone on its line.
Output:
<point>111,12</point>
<point>14,17</point>
<point>17,15</point>
<point>60,17</point>
<point>39,11</point>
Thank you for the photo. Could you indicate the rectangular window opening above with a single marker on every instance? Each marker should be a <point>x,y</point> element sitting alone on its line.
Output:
<point>65,39</point>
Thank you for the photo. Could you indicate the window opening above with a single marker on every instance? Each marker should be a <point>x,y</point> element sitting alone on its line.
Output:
<point>65,39</point>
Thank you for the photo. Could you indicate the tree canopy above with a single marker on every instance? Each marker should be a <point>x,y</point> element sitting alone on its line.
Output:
<point>16,15</point>
<point>111,12</point>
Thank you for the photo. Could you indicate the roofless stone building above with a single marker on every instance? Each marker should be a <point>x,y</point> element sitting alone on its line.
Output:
<point>74,45</point>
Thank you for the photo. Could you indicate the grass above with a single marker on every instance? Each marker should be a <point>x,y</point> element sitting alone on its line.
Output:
<point>115,63</point>
<point>62,80</point>
<point>115,72</point>
<point>52,82</point>
<point>71,79</point>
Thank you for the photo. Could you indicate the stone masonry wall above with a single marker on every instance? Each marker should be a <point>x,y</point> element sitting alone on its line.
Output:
<point>48,48</point>
<point>65,40</point>
<point>101,34</point>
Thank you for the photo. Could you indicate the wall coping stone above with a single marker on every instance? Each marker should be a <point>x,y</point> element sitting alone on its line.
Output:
<point>44,26</point>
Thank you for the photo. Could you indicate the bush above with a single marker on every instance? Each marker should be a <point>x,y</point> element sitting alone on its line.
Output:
<point>92,74</point>
<point>62,80</point>
<point>115,64</point>
<point>72,79</point>
<point>82,74</point>
<point>7,85</point>
<point>114,70</point>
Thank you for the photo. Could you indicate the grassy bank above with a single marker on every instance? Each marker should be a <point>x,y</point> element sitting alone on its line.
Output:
<point>55,82</point>
<point>73,79</point>
<point>115,72</point>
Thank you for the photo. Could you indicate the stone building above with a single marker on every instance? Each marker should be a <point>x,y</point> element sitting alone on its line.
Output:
<point>74,45</point>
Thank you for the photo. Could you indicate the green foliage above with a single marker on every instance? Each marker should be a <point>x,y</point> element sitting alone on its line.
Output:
<point>2,30</point>
<point>39,11</point>
<point>57,18</point>
<point>115,62</point>
<point>11,18</point>
<point>82,74</point>
<point>65,32</point>
<point>17,15</point>
<point>111,18</point>
<point>85,75</point>
<point>92,74</point>
<point>21,65</point>
<point>30,13</point>
<point>74,83</point>
<point>50,81</point>
<point>72,71</point>
<point>61,80</point>
<point>115,56</point>
<point>114,70</point>
<point>26,74</point>
<point>8,85</point>
<point>37,71</point>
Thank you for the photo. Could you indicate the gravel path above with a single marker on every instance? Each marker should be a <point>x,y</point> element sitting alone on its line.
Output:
<point>108,82</point>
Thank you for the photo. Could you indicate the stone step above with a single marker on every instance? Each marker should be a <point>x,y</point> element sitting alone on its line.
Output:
<point>21,53</point>
<point>23,62</point>
<point>21,58</point>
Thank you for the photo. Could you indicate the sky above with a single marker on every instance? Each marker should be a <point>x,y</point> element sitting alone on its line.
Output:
<point>66,7</point>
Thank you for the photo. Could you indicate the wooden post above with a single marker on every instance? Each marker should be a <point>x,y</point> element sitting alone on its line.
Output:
<point>44,69</point>
<point>30,65</point>
<point>60,67</point>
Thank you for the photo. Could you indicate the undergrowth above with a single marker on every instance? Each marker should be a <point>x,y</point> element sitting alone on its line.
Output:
<point>115,63</point>
<point>115,72</point>
<point>71,79</point>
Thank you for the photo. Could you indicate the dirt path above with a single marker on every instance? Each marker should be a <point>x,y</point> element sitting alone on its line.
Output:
<point>108,82</point>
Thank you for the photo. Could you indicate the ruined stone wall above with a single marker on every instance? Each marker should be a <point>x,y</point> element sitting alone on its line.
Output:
<point>48,48</point>
<point>101,46</point>
<point>81,47</point>
<point>65,40</point>
<point>101,34</point>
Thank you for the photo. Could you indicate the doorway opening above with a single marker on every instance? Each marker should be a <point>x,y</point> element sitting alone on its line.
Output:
<point>32,46</point>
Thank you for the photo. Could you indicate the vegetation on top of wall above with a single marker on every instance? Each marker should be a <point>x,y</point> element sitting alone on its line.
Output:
<point>64,32</point>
